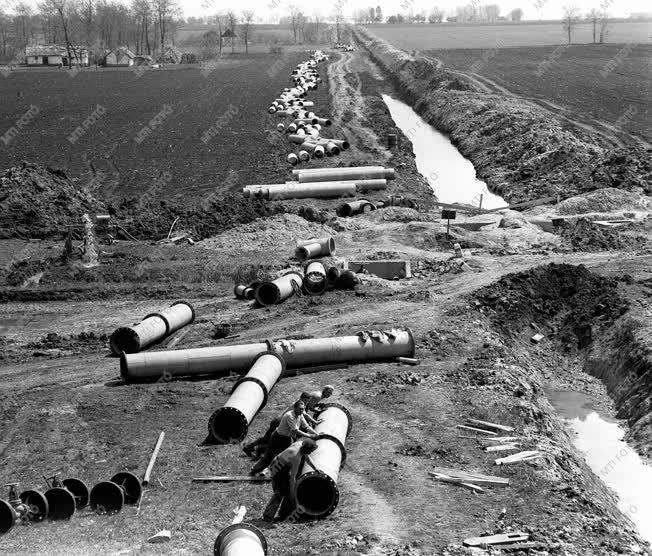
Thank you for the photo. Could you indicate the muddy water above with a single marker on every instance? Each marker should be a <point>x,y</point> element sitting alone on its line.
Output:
<point>450,175</point>
<point>600,439</point>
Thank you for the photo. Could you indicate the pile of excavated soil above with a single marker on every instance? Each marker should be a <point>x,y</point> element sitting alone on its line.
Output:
<point>604,200</point>
<point>584,235</point>
<point>568,302</point>
<point>38,202</point>
<point>520,150</point>
<point>268,233</point>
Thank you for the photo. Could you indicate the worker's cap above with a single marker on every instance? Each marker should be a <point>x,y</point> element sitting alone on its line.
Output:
<point>305,396</point>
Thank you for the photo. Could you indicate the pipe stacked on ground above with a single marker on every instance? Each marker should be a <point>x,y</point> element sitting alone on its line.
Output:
<point>359,206</point>
<point>240,539</point>
<point>339,174</point>
<point>271,292</point>
<point>315,280</point>
<point>154,327</point>
<point>230,423</point>
<point>313,248</point>
<point>316,491</point>
<point>363,347</point>
<point>313,190</point>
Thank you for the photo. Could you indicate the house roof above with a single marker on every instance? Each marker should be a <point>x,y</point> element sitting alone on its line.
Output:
<point>121,51</point>
<point>52,50</point>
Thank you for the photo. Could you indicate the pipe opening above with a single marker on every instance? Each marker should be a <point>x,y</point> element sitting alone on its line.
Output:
<point>228,425</point>
<point>7,517</point>
<point>268,294</point>
<point>315,283</point>
<point>61,503</point>
<point>125,340</point>
<point>106,498</point>
<point>317,494</point>
<point>302,253</point>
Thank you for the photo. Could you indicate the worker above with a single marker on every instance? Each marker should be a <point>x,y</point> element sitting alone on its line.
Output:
<point>293,424</point>
<point>317,397</point>
<point>283,470</point>
<point>257,447</point>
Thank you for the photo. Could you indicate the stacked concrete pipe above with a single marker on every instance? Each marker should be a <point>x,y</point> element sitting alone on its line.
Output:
<point>315,492</point>
<point>339,174</point>
<point>240,539</point>
<point>315,280</point>
<point>313,248</point>
<point>153,328</point>
<point>222,360</point>
<point>315,190</point>
<point>230,423</point>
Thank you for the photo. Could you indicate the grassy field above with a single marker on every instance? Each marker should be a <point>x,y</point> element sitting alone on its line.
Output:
<point>578,78</point>
<point>170,110</point>
<point>429,37</point>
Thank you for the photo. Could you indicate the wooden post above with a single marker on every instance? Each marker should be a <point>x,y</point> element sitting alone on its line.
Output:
<point>152,460</point>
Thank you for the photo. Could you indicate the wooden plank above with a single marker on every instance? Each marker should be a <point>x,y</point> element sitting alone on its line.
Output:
<point>501,448</point>
<point>491,540</point>
<point>488,425</point>
<point>459,482</point>
<point>521,456</point>
<point>467,428</point>
<point>475,478</point>
<point>230,479</point>
<point>502,439</point>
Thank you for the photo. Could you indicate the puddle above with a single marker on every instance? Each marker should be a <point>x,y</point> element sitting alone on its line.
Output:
<point>450,175</point>
<point>600,439</point>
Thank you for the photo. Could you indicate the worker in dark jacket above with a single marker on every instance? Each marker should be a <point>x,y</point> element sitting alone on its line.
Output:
<point>283,470</point>
<point>293,424</point>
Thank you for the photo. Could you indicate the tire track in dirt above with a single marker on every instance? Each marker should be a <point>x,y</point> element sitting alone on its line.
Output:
<point>349,106</point>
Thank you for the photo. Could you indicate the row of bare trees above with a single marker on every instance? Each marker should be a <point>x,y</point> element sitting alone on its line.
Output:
<point>599,20</point>
<point>472,12</point>
<point>145,26</point>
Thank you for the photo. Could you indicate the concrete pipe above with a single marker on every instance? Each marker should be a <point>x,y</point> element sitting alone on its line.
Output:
<point>293,159</point>
<point>324,121</point>
<point>240,539</point>
<point>297,138</point>
<point>239,290</point>
<point>276,291</point>
<point>312,248</point>
<point>271,109</point>
<point>304,156</point>
<point>355,207</point>
<point>296,190</point>
<point>332,275</point>
<point>339,174</point>
<point>332,149</point>
<point>342,144</point>
<point>280,128</point>
<point>364,347</point>
<point>249,292</point>
<point>371,185</point>
<point>316,491</point>
<point>315,281</point>
<point>154,327</point>
<point>230,423</point>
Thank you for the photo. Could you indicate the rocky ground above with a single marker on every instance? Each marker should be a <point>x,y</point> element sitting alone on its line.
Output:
<point>63,407</point>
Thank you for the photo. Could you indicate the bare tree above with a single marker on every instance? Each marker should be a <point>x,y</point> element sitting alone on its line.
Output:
<point>295,16</point>
<point>165,11</point>
<point>436,15</point>
<point>570,21</point>
<point>247,20</point>
<point>232,21</point>
<point>492,12</point>
<point>24,20</point>
<point>593,17</point>
<point>87,17</point>
<point>5,24</point>
<point>316,19</point>
<point>64,9</point>
<point>604,25</point>
<point>338,19</point>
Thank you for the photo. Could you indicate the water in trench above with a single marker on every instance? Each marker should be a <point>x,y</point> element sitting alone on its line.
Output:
<point>450,175</point>
<point>600,439</point>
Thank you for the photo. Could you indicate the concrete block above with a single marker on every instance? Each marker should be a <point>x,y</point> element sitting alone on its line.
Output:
<point>387,269</point>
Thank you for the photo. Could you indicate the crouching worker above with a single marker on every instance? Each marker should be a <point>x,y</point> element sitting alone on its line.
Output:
<point>283,470</point>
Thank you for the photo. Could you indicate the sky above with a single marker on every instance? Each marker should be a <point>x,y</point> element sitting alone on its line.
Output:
<point>270,10</point>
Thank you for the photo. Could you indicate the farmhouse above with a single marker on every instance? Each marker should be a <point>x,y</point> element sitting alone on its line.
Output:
<point>55,55</point>
<point>119,57</point>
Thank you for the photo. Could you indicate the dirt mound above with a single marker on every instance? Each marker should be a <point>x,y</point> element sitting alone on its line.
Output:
<point>608,199</point>
<point>38,202</point>
<point>584,235</point>
<point>566,301</point>
<point>268,233</point>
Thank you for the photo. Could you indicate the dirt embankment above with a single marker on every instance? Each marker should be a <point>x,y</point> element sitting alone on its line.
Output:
<point>520,151</point>
<point>592,327</point>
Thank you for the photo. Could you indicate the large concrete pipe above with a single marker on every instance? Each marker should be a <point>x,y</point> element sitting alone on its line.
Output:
<point>331,190</point>
<point>355,207</point>
<point>365,346</point>
<point>240,539</point>
<point>312,248</point>
<point>315,281</point>
<point>276,291</point>
<point>316,493</point>
<point>154,327</point>
<point>230,423</point>
<point>339,174</point>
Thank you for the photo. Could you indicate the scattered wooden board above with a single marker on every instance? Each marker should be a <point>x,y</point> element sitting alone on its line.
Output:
<point>521,456</point>
<point>230,479</point>
<point>458,482</point>
<point>501,448</point>
<point>488,425</point>
<point>492,540</point>
<point>500,439</point>
<point>467,428</point>
<point>473,478</point>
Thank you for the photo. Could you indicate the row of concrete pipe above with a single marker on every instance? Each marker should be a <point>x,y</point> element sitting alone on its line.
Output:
<point>153,328</point>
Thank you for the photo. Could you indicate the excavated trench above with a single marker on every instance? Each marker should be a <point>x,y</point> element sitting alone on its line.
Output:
<point>590,326</point>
